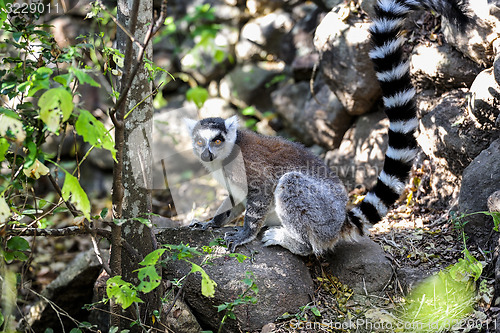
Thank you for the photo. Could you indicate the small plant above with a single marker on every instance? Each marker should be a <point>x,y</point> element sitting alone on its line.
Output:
<point>126,294</point>
<point>444,299</point>
<point>246,297</point>
<point>459,220</point>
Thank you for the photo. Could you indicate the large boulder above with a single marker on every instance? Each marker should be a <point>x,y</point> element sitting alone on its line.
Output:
<point>449,132</point>
<point>360,157</point>
<point>449,69</point>
<point>480,179</point>
<point>283,280</point>
<point>211,60</point>
<point>248,85</point>
<point>321,120</point>
<point>344,43</point>
<point>480,41</point>
<point>265,35</point>
<point>362,266</point>
<point>485,99</point>
<point>325,119</point>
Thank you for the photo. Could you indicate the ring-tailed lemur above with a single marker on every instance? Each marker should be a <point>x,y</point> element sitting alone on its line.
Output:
<point>278,177</point>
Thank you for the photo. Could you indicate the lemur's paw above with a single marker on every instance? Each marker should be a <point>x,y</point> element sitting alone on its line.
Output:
<point>236,238</point>
<point>199,225</point>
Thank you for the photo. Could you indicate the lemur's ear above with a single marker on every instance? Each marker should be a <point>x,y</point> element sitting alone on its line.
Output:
<point>231,124</point>
<point>190,124</point>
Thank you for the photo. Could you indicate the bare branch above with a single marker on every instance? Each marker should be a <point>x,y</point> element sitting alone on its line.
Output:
<point>68,204</point>
<point>121,26</point>
<point>71,231</point>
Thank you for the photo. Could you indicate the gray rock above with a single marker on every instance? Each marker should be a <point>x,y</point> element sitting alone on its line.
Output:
<point>321,120</point>
<point>485,99</point>
<point>325,119</point>
<point>449,132</point>
<point>264,7</point>
<point>303,66</point>
<point>368,6</point>
<point>362,266</point>
<point>448,69</point>
<point>494,202</point>
<point>289,102</point>
<point>360,157</point>
<point>410,277</point>
<point>283,279</point>
<point>304,53</point>
<point>201,61</point>
<point>181,318</point>
<point>344,45</point>
<point>496,69</point>
<point>264,35</point>
<point>440,187</point>
<point>71,290</point>
<point>246,85</point>
<point>480,39</point>
<point>480,179</point>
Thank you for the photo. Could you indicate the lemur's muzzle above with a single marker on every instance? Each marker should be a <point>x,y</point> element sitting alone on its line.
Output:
<point>207,156</point>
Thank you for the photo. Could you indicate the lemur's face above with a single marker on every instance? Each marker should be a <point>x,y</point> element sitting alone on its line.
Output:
<point>213,138</point>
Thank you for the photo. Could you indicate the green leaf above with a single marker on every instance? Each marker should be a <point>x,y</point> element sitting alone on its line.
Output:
<point>198,95</point>
<point>143,220</point>
<point>496,219</point>
<point>73,192</point>
<point>240,257</point>
<point>10,125</point>
<point>149,279</point>
<point>17,243</point>
<point>75,330</point>
<point>55,103</point>
<point>249,111</point>
<point>207,284</point>
<point>152,258</point>
<point>84,77</point>
<point>1,319</point>
<point>4,147</point>
<point>94,132</point>
<point>40,79</point>
<point>14,255</point>
<point>9,113</point>
<point>63,79</point>
<point>315,311</point>
<point>32,153</point>
<point>119,222</point>
<point>222,307</point>
<point>123,292</point>
<point>104,213</point>
<point>219,56</point>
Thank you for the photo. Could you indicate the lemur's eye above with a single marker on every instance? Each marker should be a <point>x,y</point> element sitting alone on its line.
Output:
<point>217,142</point>
<point>199,142</point>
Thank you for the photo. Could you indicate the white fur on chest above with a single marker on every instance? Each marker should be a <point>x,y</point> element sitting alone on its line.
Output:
<point>238,191</point>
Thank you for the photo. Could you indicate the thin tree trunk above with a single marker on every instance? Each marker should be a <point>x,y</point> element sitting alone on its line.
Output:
<point>132,173</point>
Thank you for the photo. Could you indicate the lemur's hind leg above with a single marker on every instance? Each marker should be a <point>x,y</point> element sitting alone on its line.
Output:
<point>282,237</point>
<point>312,212</point>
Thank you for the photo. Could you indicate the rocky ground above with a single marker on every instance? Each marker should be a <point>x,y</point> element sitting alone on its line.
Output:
<point>419,242</point>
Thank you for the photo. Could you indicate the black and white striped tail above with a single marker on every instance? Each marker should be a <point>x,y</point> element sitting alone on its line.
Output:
<point>398,95</point>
